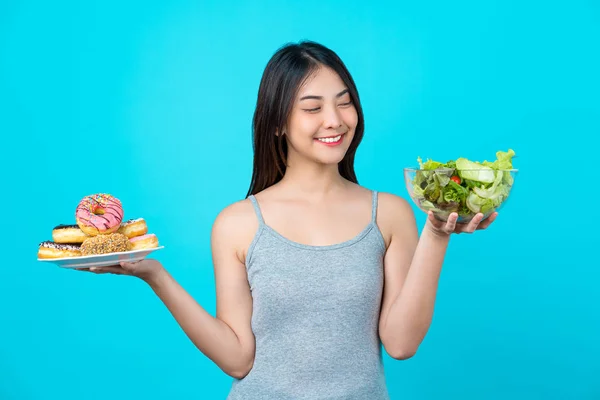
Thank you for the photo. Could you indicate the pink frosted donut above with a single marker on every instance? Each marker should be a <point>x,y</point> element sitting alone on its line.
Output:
<point>148,241</point>
<point>99,214</point>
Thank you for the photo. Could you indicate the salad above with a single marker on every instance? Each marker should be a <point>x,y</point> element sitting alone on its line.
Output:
<point>463,186</point>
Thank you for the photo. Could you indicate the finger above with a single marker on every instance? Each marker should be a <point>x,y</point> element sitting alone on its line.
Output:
<point>451,222</point>
<point>472,226</point>
<point>431,217</point>
<point>98,272</point>
<point>108,270</point>
<point>87,269</point>
<point>433,220</point>
<point>129,265</point>
<point>488,221</point>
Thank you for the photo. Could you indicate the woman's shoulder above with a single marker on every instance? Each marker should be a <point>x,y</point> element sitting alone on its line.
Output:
<point>387,203</point>
<point>391,203</point>
<point>394,214</point>
<point>240,209</point>
<point>238,214</point>
<point>237,223</point>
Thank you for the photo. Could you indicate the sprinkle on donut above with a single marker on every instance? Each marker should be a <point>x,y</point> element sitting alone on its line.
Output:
<point>99,214</point>
<point>49,249</point>
<point>59,246</point>
<point>103,244</point>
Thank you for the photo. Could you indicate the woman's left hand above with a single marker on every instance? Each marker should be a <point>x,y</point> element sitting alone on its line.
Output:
<point>442,228</point>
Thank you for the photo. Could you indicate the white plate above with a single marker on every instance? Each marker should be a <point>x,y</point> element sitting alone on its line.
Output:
<point>100,260</point>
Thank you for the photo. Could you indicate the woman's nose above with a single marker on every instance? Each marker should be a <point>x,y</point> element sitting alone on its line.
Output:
<point>331,118</point>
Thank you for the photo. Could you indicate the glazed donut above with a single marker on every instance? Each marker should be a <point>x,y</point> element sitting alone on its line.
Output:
<point>49,249</point>
<point>133,228</point>
<point>68,234</point>
<point>99,214</point>
<point>148,241</point>
<point>104,244</point>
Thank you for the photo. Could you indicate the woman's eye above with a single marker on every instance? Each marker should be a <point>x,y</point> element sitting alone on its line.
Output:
<point>312,109</point>
<point>316,109</point>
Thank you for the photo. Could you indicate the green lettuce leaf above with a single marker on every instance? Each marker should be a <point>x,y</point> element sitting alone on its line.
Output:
<point>483,185</point>
<point>429,164</point>
<point>503,160</point>
<point>474,171</point>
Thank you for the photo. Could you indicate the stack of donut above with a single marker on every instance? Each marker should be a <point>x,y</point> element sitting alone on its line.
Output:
<point>99,229</point>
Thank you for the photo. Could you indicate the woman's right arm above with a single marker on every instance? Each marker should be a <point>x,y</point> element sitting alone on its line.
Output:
<point>226,339</point>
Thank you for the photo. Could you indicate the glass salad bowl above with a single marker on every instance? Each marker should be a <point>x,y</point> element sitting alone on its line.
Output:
<point>467,192</point>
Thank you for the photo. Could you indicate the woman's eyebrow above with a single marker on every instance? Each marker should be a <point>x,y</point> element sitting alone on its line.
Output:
<point>340,94</point>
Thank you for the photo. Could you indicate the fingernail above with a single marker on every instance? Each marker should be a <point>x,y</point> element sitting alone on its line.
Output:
<point>93,269</point>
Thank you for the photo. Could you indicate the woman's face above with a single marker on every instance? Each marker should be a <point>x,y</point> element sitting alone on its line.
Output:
<point>323,119</point>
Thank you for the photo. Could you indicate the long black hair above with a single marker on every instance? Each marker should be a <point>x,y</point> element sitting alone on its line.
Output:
<point>285,72</point>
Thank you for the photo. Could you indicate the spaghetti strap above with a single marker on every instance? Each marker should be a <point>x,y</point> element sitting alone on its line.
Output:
<point>374,211</point>
<point>261,221</point>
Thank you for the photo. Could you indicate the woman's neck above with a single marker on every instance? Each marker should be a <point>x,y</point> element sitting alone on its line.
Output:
<point>312,181</point>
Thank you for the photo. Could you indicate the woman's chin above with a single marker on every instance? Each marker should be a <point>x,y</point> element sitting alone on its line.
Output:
<point>327,157</point>
<point>330,159</point>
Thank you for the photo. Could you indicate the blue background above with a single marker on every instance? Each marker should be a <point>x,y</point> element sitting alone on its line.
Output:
<point>152,102</point>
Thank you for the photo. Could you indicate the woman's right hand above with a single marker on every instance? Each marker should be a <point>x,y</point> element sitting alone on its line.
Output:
<point>146,269</point>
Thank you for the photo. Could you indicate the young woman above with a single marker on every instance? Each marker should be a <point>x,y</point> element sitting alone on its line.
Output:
<point>313,272</point>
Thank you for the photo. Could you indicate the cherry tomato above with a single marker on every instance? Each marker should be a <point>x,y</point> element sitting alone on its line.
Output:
<point>455,179</point>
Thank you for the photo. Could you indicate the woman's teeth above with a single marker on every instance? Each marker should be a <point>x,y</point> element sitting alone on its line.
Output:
<point>330,140</point>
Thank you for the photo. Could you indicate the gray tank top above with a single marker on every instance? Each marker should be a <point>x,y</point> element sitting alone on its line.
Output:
<point>315,317</point>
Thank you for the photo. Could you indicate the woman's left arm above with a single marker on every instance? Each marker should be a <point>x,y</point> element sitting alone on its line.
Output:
<point>412,266</point>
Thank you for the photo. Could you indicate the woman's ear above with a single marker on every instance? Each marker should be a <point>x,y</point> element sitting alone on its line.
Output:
<point>277,132</point>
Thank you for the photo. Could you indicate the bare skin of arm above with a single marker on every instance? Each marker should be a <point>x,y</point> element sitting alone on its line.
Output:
<point>227,338</point>
<point>412,267</point>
